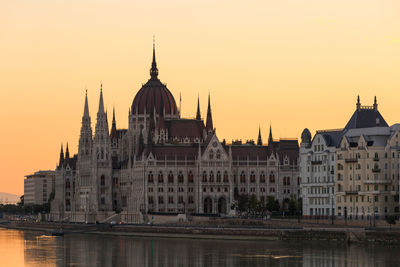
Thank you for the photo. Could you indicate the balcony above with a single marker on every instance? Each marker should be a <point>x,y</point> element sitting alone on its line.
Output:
<point>351,192</point>
<point>380,181</point>
<point>376,159</point>
<point>376,169</point>
<point>351,160</point>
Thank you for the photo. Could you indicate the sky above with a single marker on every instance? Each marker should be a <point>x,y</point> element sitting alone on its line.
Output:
<point>290,64</point>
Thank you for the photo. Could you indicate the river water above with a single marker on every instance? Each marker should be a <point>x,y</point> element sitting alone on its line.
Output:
<point>27,248</point>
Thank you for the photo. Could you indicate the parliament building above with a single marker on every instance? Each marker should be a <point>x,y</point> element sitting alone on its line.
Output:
<point>165,164</point>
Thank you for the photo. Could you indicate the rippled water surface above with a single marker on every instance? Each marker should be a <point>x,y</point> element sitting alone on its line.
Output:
<point>26,248</point>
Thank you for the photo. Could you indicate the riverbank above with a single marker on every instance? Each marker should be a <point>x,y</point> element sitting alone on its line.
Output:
<point>337,234</point>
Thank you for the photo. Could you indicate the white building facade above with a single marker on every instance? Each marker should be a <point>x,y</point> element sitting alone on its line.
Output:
<point>38,187</point>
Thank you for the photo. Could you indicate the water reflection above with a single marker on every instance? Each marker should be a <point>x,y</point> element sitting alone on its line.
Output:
<point>36,249</point>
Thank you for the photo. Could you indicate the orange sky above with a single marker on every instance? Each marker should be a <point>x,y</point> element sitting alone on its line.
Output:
<point>290,63</point>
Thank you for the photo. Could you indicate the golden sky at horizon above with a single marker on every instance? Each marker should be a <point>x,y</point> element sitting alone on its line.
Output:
<point>292,64</point>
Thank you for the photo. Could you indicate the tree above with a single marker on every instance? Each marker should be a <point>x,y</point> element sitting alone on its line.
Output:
<point>253,203</point>
<point>391,220</point>
<point>243,203</point>
<point>272,204</point>
<point>21,201</point>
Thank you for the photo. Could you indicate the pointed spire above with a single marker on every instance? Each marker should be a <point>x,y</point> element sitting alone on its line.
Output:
<point>259,140</point>
<point>113,132</point>
<point>270,139</point>
<point>358,105</point>
<point>101,103</point>
<point>67,152</point>
<point>154,70</point>
<point>375,104</point>
<point>60,163</point>
<point>198,115</point>
<point>209,123</point>
<point>86,108</point>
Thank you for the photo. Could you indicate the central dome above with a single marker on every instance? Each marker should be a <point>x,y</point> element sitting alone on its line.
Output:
<point>154,95</point>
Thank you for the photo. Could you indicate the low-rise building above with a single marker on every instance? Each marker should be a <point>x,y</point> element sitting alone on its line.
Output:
<point>38,187</point>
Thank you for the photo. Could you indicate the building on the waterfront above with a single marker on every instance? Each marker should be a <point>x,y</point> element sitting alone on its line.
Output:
<point>38,187</point>
<point>317,169</point>
<point>366,170</point>
<point>166,164</point>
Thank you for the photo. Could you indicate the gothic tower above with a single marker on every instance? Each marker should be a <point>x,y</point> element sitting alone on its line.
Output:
<point>101,165</point>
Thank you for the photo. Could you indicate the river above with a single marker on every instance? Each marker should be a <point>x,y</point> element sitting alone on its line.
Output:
<point>28,248</point>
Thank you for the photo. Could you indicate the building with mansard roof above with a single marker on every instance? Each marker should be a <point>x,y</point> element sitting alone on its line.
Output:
<point>166,164</point>
<point>352,172</point>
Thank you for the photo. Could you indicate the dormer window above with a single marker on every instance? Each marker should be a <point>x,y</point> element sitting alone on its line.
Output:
<point>377,120</point>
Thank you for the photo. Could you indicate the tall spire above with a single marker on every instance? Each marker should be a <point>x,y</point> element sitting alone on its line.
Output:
<point>86,108</point>
<point>67,152</point>
<point>358,105</point>
<point>375,104</point>
<point>259,140</point>
<point>209,123</point>
<point>60,163</point>
<point>154,70</point>
<point>270,139</point>
<point>198,115</point>
<point>101,103</point>
<point>113,132</point>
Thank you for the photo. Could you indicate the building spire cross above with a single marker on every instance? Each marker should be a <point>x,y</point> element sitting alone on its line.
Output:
<point>154,69</point>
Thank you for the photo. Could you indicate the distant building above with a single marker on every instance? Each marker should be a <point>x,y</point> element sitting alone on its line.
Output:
<point>38,187</point>
<point>317,168</point>
<point>166,164</point>
<point>365,156</point>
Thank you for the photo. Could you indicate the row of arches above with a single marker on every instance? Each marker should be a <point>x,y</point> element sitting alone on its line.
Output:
<point>208,207</point>
<point>210,178</point>
<point>170,177</point>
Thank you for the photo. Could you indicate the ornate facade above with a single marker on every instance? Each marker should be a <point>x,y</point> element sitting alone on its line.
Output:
<point>166,164</point>
<point>354,171</point>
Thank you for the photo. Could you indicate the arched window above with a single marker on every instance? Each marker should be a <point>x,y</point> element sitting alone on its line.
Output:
<point>160,178</point>
<point>272,177</point>
<point>226,179</point>
<point>252,177</point>
<point>170,178</point>
<point>211,154</point>
<point>102,180</point>
<point>211,180</point>
<point>190,177</point>
<point>204,177</point>
<point>67,184</point>
<point>218,177</point>
<point>262,177</point>
<point>150,177</point>
<point>218,154</point>
<point>242,177</point>
<point>180,178</point>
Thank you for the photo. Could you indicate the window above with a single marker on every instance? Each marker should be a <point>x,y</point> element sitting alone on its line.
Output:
<point>102,180</point>
<point>226,180</point>
<point>272,178</point>
<point>211,177</point>
<point>204,177</point>
<point>170,200</point>
<point>180,178</point>
<point>252,177</point>
<point>150,177</point>
<point>218,154</point>
<point>150,200</point>
<point>190,177</point>
<point>170,178</point>
<point>160,178</point>
<point>211,155</point>
<point>218,177</point>
<point>180,199</point>
<point>242,177</point>
<point>160,200</point>
<point>262,177</point>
